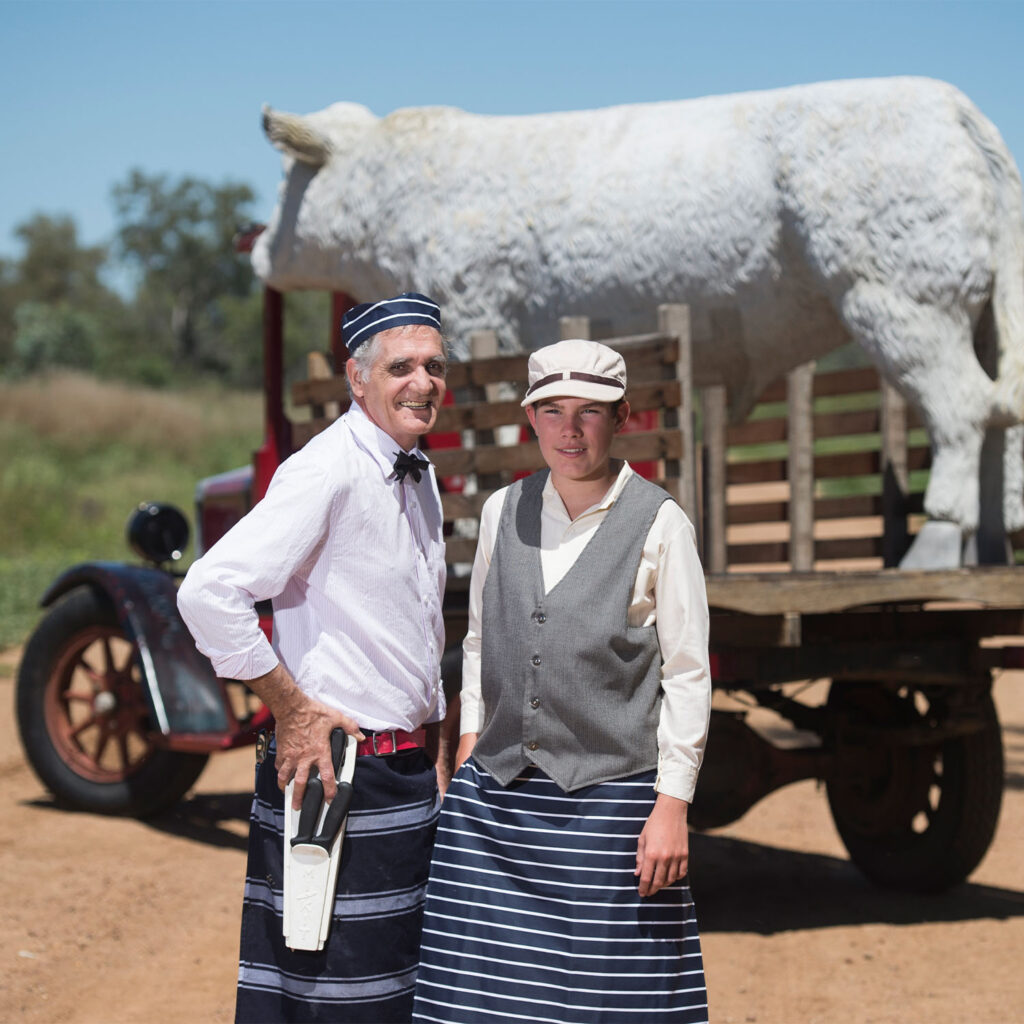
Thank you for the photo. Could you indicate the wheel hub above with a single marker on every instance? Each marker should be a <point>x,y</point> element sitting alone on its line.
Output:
<point>104,703</point>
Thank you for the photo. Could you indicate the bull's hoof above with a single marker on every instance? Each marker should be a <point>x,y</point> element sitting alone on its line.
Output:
<point>938,545</point>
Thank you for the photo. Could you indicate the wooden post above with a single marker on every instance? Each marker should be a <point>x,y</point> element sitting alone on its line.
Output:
<point>990,543</point>
<point>483,345</point>
<point>674,320</point>
<point>317,368</point>
<point>341,303</point>
<point>574,327</point>
<point>800,398</point>
<point>714,455</point>
<point>277,437</point>
<point>895,479</point>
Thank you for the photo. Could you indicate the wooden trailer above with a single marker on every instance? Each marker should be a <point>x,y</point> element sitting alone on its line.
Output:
<point>876,681</point>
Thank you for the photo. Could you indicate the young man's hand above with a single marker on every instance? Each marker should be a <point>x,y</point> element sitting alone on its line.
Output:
<point>663,852</point>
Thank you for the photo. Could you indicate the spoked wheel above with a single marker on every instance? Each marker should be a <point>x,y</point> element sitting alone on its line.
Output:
<point>95,714</point>
<point>83,716</point>
<point>915,801</point>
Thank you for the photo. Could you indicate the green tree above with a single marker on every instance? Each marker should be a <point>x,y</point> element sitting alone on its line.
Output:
<point>178,236</point>
<point>54,307</point>
<point>54,267</point>
<point>55,334</point>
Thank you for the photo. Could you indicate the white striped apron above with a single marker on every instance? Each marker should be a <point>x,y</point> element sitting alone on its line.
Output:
<point>532,910</point>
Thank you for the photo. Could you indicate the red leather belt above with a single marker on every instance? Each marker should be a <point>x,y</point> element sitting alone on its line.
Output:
<point>390,742</point>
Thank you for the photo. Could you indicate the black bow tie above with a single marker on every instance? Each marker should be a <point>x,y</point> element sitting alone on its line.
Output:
<point>412,464</point>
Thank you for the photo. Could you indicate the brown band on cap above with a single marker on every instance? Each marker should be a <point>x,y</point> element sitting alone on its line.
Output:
<point>590,378</point>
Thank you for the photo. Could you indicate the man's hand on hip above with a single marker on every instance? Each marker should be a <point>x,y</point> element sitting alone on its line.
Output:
<point>303,728</point>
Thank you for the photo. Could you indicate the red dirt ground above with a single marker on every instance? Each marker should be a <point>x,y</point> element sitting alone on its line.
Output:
<point>112,921</point>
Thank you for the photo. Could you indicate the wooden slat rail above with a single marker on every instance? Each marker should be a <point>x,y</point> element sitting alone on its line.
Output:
<point>991,586</point>
<point>819,448</point>
<point>828,472</point>
<point>649,358</point>
<point>825,424</point>
<point>489,389</point>
<point>828,384</point>
<point>848,464</point>
<point>855,506</point>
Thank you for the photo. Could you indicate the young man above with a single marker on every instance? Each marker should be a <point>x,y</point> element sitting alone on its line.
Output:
<point>558,888</point>
<point>347,543</point>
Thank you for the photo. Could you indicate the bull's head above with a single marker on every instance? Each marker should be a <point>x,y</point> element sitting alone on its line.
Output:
<point>312,239</point>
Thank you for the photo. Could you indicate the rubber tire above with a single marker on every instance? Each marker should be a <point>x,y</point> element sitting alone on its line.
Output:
<point>959,829</point>
<point>154,785</point>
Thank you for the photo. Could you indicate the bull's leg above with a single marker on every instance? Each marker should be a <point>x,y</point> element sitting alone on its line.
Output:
<point>1013,479</point>
<point>928,354</point>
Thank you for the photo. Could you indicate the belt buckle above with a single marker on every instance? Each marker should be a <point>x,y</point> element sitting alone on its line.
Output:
<point>394,742</point>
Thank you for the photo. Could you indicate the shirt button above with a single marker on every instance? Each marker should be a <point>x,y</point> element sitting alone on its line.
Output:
<point>536,659</point>
<point>535,703</point>
<point>533,745</point>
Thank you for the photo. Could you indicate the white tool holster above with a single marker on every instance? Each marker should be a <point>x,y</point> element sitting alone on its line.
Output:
<point>312,850</point>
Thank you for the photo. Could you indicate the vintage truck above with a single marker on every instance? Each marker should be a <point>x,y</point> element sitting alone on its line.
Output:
<point>828,663</point>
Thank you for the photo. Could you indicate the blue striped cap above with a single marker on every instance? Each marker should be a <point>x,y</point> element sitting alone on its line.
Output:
<point>362,322</point>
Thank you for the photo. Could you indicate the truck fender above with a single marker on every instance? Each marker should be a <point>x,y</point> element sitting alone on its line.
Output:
<point>182,690</point>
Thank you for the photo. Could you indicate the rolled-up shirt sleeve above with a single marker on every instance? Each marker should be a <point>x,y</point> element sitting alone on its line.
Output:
<point>682,624</point>
<point>253,562</point>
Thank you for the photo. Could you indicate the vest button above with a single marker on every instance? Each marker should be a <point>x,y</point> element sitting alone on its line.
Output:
<point>533,745</point>
<point>535,703</point>
<point>541,618</point>
<point>535,659</point>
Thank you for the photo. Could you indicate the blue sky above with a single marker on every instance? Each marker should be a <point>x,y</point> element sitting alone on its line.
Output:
<point>92,89</point>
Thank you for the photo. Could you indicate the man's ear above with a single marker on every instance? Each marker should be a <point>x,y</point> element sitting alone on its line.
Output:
<point>353,378</point>
<point>621,415</point>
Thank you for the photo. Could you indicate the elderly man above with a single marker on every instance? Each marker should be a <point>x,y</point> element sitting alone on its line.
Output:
<point>347,544</point>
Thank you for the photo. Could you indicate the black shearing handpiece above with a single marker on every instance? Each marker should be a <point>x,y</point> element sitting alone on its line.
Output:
<point>312,802</point>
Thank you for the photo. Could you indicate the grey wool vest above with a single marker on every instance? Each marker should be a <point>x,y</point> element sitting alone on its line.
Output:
<point>567,684</point>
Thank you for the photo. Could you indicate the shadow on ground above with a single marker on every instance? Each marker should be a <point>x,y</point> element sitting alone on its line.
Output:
<point>211,818</point>
<point>216,819</point>
<point>740,886</point>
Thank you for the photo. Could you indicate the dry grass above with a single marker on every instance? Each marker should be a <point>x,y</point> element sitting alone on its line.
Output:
<point>79,412</point>
<point>78,454</point>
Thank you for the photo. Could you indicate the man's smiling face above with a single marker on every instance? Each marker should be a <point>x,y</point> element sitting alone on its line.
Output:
<point>405,385</point>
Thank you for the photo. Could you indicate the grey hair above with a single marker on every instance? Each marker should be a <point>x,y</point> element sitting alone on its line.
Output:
<point>368,352</point>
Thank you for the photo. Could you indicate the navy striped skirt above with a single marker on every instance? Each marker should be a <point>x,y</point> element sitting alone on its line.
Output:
<point>533,914</point>
<point>367,970</point>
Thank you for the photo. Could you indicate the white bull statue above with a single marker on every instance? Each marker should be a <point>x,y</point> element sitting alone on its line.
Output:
<point>888,211</point>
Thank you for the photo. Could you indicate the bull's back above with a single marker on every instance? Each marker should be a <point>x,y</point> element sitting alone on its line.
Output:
<point>758,199</point>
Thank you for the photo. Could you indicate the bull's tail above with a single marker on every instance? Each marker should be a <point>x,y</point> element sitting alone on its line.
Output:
<point>1007,302</point>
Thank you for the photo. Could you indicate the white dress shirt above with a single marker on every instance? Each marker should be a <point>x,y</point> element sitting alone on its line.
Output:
<point>353,562</point>
<point>669,592</point>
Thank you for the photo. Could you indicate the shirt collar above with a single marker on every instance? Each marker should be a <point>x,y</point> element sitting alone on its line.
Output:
<point>380,446</point>
<point>553,499</point>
